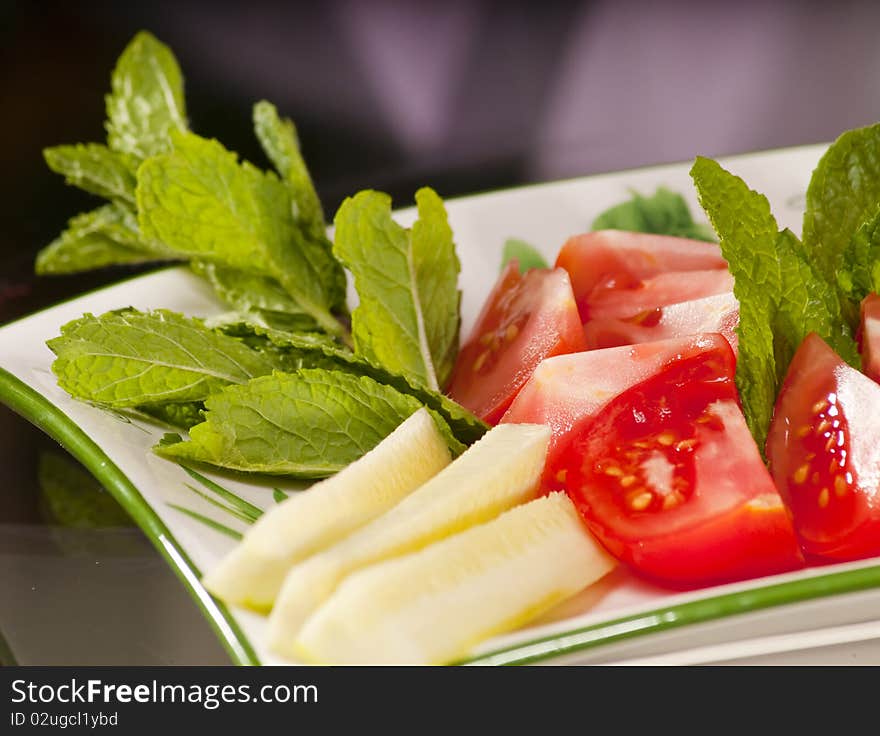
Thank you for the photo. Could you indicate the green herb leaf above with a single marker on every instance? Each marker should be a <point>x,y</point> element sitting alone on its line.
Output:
<point>182,415</point>
<point>107,236</point>
<point>408,317</point>
<point>308,424</point>
<point>94,168</point>
<point>859,272</point>
<point>202,203</point>
<point>146,99</point>
<point>128,359</point>
<point>525,254</point>
<point>279,496</point>
<point>748,233</point>
<point>843,194</point>
<point>278,138</point>
<point>260,296</point>
<point>782,297</point>
<point>806,303</point>
<point>307,350</point>
<point>664,213</point>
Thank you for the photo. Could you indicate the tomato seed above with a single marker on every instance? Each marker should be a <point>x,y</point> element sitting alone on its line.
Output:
<point>481,361</point>
<point>820,406</point>
<point>804,431</point>
<point>613,470</point>
<point>823,498</point>
<point>511,332</point>
<point>800,475</point>
<point>839,485</point>
<point>628,480</point>
<point>641,501</point>
<point>666,438</point>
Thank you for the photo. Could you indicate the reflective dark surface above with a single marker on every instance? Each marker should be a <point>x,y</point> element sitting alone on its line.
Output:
<point>464,96</point>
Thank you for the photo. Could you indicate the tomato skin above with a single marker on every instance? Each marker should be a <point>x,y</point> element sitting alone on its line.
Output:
<point>669,479</point>
<point>613,259</point>
<point>869,336</point>
<point>718,313</point>
<point>568,389</point>
<point>525,319</point>
<point>824,453</point>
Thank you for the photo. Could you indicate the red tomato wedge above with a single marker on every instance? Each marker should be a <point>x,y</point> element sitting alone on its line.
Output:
<point>869,336</point>
<point>565,390</point>
<point>718,313</point>
<point>669,479</point>
<point>613,259</point>
<point>824,453</point>
<point>643,297</point>
<point>525,319</point>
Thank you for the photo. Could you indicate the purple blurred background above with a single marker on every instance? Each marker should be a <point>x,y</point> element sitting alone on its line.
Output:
<point>461,95</point>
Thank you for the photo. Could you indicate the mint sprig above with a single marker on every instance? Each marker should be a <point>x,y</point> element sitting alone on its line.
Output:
<point>783,288</point>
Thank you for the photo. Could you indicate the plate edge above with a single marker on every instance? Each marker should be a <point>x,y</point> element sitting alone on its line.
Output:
<point>42,413</point>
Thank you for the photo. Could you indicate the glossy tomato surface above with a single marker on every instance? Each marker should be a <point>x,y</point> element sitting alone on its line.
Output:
<point>718,313</point>
<point>641,297</point>
<point>669,479</point>
<point>604,261</point>
<point>869,336</point>
<point>525,319</point>
<point>824,453</point>
<point>565,390</point>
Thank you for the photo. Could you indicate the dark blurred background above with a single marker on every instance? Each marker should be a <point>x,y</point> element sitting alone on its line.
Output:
<point>462,95</point>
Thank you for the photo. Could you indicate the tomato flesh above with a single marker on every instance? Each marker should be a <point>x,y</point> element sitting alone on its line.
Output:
<point>608,260</point>
<point>567,389</point>
<point>669,479</point>
<point>869,336</point>
<point>718,313</point>
<point>525,319</point>
<point>824,453</point>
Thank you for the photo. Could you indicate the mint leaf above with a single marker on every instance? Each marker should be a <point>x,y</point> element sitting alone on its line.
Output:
<point>307,424</point>
<point>146,99</point>
<point>408,317</point>
<point>92,240</point>
<point>183,415</point>
<point>526,255</point>
<point>203,204</point>
<point>262,297</point>
<point>748,234</point>
<point>843,194</point>
<point>782,295</point>
<point>94,168</point>
<point>129,359</point>
<point>106,236</point>
<point>295,351</point>
<point>278,138</point>
<point>859,272</point>
<point>664,213</point>
<point>806,303</point>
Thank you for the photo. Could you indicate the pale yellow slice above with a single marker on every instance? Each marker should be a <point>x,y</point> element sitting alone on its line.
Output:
<point>435,605</point>
<point>496,473</point>
<point>308,521</point>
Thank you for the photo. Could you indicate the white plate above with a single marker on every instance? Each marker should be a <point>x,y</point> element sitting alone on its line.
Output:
<point>621,619</point>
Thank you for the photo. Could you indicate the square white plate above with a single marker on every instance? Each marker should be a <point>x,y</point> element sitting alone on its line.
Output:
<point>619,620</point>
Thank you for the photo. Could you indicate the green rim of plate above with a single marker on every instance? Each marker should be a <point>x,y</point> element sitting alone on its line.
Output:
<point>38,410</point>
<point>692,612</point>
